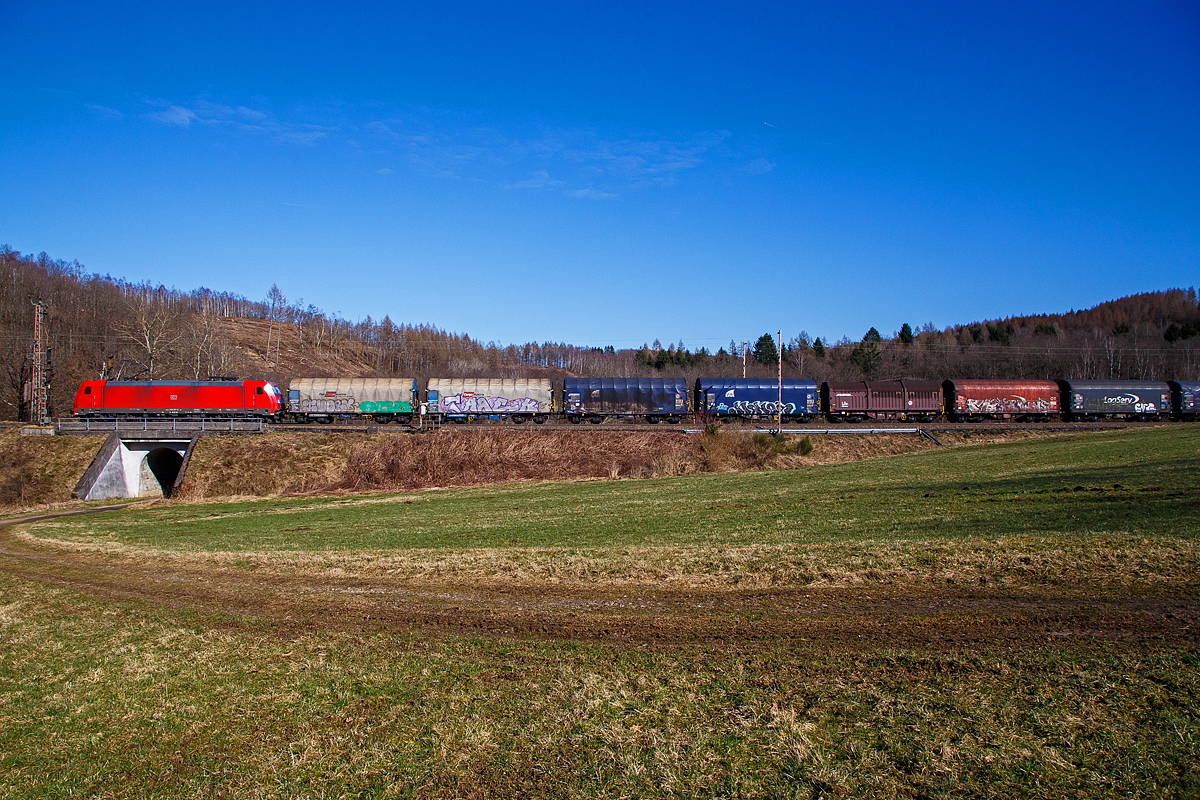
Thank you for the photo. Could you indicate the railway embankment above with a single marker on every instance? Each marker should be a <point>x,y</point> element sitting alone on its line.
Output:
<point>41,472</point>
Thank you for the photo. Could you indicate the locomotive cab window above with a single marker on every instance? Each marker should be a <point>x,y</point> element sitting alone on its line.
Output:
<point>259,391</point>
<point>87,390</point>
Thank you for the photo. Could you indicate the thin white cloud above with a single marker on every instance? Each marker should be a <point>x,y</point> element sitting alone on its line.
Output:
<point>250,113</point>
<point>539,180</point>
<point>584,163</point>
<point>381,129</point>
<point>176,115</point>
<point>104,112</point>
<point>240,118</point>
<point>302,137</point>
<point>592,194</point>
<point>383,171</point>
<point>637,162</point>
<point>760,166</point>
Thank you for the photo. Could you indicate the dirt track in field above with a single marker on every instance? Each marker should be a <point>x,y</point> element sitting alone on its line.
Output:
<point>915,615</point>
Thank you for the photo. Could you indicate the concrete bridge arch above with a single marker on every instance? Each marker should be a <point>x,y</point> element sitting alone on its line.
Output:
<point>136,466</point>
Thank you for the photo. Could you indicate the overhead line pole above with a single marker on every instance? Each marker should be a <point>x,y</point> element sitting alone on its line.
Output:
<point>780,406</point>
<point>38,411</point>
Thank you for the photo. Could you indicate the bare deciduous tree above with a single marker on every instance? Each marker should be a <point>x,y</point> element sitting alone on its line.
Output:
<point>152,329</point>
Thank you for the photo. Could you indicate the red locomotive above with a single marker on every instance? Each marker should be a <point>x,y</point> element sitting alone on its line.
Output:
<point>178,399</point>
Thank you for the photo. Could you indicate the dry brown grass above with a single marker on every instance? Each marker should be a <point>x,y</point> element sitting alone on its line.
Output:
<point>40,471</point>
<point>281,463</point>
<point>271,464</point>
<point>470,458</point>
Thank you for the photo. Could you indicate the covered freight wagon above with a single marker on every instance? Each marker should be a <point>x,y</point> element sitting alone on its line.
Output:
<point>1185,399</point>
<point>656,399</point>
<point>883,400</point>
<point>844,401</point>
<point>1024,401</point>
<point>742,398</point>
<point>178,399</point>
<point>326,399</point>
<point>518,399</point>
<point>1090,400</point>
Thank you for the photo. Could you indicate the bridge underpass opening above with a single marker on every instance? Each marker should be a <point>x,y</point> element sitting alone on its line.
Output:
<point>164,464</point>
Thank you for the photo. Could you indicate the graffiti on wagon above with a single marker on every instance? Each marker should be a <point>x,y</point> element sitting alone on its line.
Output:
<point>759,407</point>
<point>1012,403</point>
<point>471,403</point>
<point>326,405</point>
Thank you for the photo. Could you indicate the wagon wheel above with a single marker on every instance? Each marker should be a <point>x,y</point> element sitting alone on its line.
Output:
<point>575,420</point>
<point>518,419</point>
<point>595,420</point>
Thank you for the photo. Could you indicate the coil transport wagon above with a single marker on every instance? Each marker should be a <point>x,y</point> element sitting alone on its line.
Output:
<point>326,399</point>
<point>228,398</point>
<point>462,399</point>
<point>728,399</point>
<point>1021,401</point>
<point>655,399</point>
<point>1087,401</point>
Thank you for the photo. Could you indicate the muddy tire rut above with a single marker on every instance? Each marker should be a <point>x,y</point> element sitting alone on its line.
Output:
<point>280,602</point>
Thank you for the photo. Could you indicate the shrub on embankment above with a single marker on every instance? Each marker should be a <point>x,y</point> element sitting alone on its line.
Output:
<point>43,470</point>
<point>303,463</point>
<point>40,470</point>
<point>468,458</point>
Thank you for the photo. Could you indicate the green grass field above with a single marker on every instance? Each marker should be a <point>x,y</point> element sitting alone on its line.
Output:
<point>118,690</point>
<point>1073,502</point>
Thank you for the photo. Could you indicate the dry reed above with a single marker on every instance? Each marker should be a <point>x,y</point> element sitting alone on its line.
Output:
<point>469,458</point>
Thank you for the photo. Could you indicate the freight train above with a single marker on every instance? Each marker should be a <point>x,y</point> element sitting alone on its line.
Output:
<point>654,400</point>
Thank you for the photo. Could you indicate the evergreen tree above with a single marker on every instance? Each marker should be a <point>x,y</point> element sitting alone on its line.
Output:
<point>818,348</point>
<point>906,334</point>
<point>764,350</point>
<point>867,357</point>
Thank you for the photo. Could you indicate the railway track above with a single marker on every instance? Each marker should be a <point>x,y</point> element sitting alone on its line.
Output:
<point>815,428</point>
<point>72,426</point>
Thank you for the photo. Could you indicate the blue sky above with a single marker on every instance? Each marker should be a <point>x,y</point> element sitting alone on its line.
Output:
<point>612,173</point>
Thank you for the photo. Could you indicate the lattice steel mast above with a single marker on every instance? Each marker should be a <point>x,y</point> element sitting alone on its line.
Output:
<point>39,413</point>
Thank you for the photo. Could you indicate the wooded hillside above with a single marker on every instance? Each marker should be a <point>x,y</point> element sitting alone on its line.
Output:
<point>100,325</point>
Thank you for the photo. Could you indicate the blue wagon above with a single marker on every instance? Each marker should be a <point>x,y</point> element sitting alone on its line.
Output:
<point>742,398</point>
<point>1085,401</point>
<point>655,399</point>
<point>1185,397</point>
